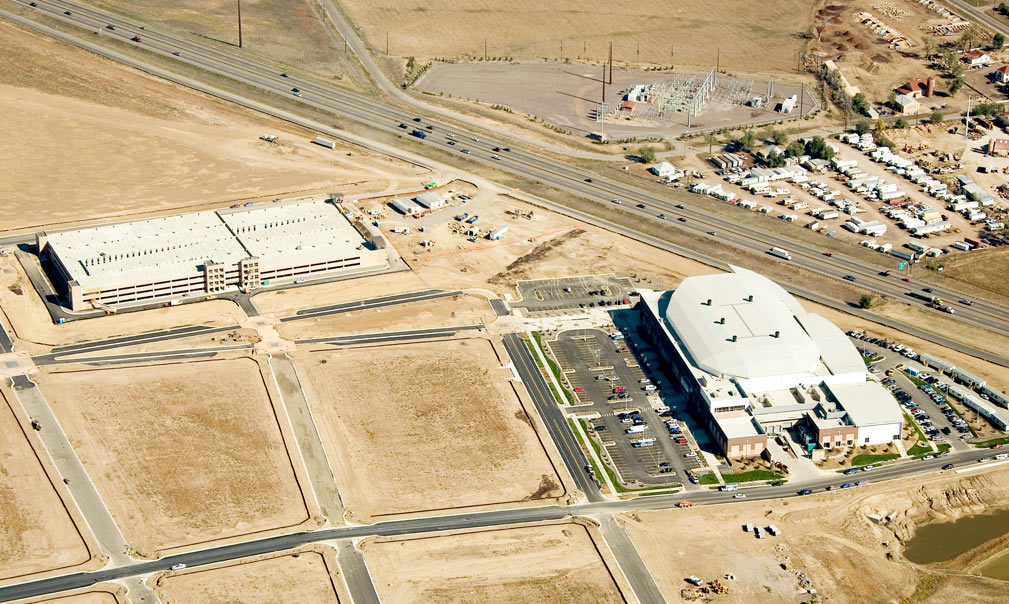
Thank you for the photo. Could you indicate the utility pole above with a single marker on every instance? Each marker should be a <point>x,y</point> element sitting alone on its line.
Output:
<point>239,23</point>
<point>610,80</point>
<point>485,48</point>
<point>966,133</point>
<point>387,42</point>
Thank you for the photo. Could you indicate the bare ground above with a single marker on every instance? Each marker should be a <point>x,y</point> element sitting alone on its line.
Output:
<point>427,426</point>
<point>557,563</point>
<point>827,537</point>
<point>37,532</point>
<point>182,453</point>
<point>310,575</point>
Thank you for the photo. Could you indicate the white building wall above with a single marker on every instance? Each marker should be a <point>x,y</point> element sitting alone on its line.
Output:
<point>878,435</point>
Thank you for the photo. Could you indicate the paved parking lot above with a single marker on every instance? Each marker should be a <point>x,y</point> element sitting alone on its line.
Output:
<point>928,412</point>
<point>574,292</point>
<point>607,379</point>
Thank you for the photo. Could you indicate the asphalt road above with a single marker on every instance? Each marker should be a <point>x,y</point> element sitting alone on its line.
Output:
<point>465,521</point>
<point>355,574</point>
<point>553,418</point>
<point>641,580</point>
<point>516,161</point>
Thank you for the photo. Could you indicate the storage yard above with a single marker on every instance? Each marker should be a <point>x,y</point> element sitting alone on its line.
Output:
<point>441,430</point>
<point>307,576</point>
<point>220,467</point>
<point>826,543</point>
<point>557,563</point>
<point>37,532</point>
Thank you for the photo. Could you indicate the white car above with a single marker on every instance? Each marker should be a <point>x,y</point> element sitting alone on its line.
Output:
<point>617,201</point>
<point>178,566</point>
<point>739,496</point>
<point>495,157</point>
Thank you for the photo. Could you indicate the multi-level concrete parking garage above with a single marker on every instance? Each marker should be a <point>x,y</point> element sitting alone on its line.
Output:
<point>207,252</point>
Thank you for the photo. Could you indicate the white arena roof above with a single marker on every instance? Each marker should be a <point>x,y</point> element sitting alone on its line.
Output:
<point>867,403</point>
<point>836,350</point>
<point>753,309</point>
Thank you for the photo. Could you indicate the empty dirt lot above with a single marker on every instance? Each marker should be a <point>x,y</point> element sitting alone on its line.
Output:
<point>105,141</point>
<point>826,537</point>
<point>115,595</point>
<point>425,426</point>
<point>446,312</point>
<point>309,577</point>
<point>37,533</point>
<point>556,563</point>
<point>667,32</point>
<point>183,453</point>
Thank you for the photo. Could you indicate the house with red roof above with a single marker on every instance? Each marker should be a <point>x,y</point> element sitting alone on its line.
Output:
<point>918,88</point>
<point>977,58</point>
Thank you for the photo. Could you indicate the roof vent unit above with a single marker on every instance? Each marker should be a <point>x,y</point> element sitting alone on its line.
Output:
<point>721,321</point>
<point>777,334</point>
<point>708,302</point>
<point>749,298</point>
<point>733,338</point>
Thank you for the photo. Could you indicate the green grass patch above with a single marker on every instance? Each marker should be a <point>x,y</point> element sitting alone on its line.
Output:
<point>869,458</point>
<point>663,492</point>
<point>945,447</point>
<point>910,421</point>
<point>920,450</point>
<point>554,369</point>
<point>709,478</point>
<point>987,444</point>
<point>751,476</point>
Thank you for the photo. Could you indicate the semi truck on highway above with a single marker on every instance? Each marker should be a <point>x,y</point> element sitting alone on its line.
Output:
<point>932,301</point>
<point>419,134</point>
<point>780,253</point>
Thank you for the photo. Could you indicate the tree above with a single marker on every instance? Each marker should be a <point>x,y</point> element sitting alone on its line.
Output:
<point>862,127</point>
<point>860,104</point>
<point>647,154</point>
<point>711,139</point>
<point>937,117</point>
<point>892,100</point>
<point>779,137</point>
<point>866,301</point>
<point>900,123</point>
<point>795,149</point>
<point>818,148</point>
<point>746,142</point>
<point>997,41</point>
<point>775,159</point>
<point>880,126</point>
<point>955,85</point>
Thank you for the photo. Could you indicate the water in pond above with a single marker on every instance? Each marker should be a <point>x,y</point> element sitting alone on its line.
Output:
<point>997,568</point>
<point>947,540</point>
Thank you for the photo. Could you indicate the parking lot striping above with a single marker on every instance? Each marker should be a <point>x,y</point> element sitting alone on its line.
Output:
<point>500,243</point>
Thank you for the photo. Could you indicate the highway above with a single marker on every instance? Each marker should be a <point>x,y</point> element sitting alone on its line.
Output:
<point>519,162</point>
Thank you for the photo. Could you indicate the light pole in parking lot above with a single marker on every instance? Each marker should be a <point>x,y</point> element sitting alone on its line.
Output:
<point>239,23</point>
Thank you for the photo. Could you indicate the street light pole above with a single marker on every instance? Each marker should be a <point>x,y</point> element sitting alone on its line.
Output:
<point>239,23</point>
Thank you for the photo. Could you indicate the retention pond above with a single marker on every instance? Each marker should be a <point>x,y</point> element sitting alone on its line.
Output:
<point>947,540</point>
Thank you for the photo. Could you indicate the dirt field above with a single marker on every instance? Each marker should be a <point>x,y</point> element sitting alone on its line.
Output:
<point>37,533</point>
<point>88,597</point>
<point>448,312</point>
<point>555,563</point>
<point>184,453</point>
<point>425,426</point>
<point>286,301</point>
<point>309,576</point>
<point>295,34</point>
<point>981,268</point>
<point>826,537</point>
<point>566,29</point>
<point>196,151</point>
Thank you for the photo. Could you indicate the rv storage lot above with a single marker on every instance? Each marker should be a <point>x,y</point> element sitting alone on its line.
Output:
<point>425,426</point>
<point>557,563</point>
<point>183,453</point>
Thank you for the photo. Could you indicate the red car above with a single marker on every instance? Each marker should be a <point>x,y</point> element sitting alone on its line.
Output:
<point>828,254</point>
<point>579,390</point>
<point>908,279</point>
<point>996,446</point>
<point>681,440</point>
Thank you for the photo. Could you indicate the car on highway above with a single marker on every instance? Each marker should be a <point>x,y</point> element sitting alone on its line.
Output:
<point>739,496</point>
<point>176,54</point>
<point>588,180</point>
<point>506,148</point>
<point>179,566</point>
<point>679,206</point>
<point>450,143</point>
<point>498,157</point>
<point>860,483</point>
<point>682,219</point>
<point>283,74</point>
<point>966,302</point>
<point>110,27</point>
<point>712,233</point>
<point>661,216</point>
<point>403,126</point>
<point>67,13</point>
<point>884,273</point>
<point>849,278</point>
<point>416,119</point>
<point>907,279</point>
<point>927,290</point>
<point>828,254</point>
<point>466,151</point>
<point>616,201</point>
<point>806,492</point>
<point>641,206</point>
<point>295,90</point>
<point>847,485</point>
<point>948,466</point>
<point>33,4</point>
